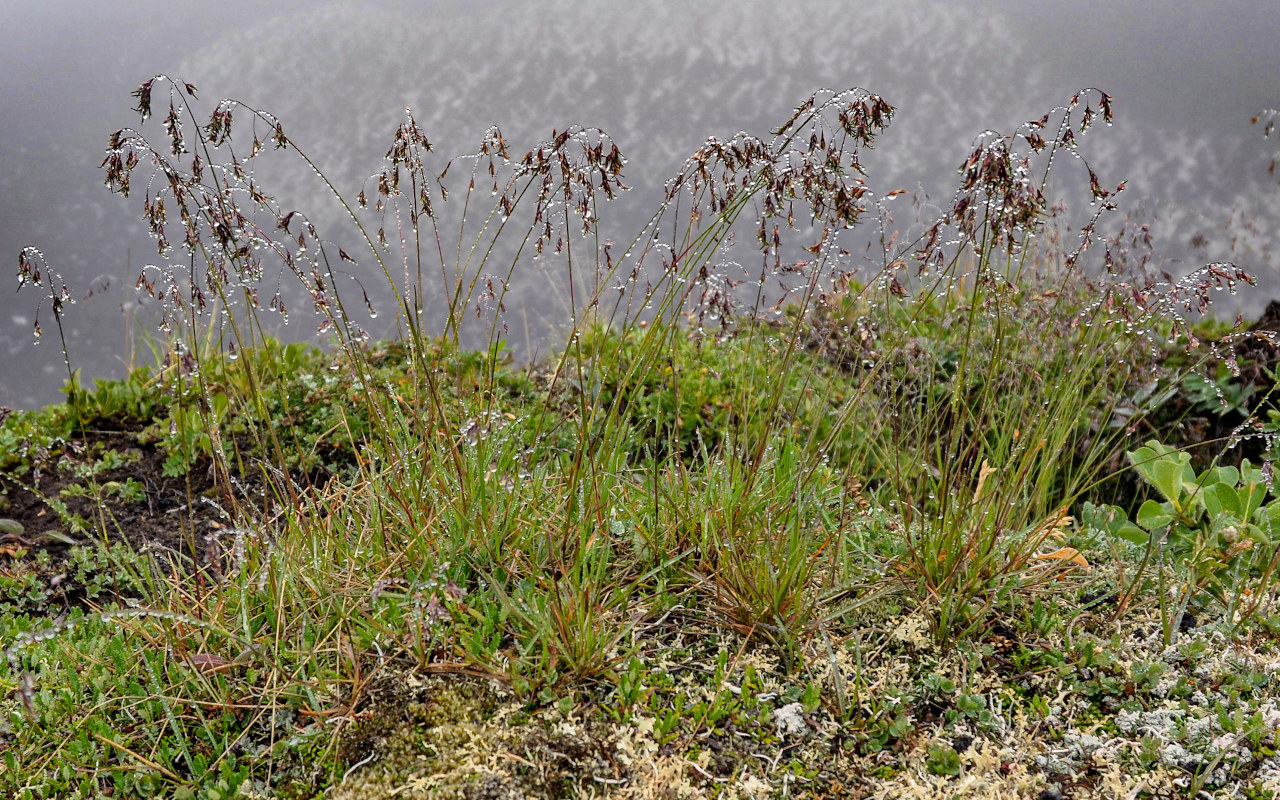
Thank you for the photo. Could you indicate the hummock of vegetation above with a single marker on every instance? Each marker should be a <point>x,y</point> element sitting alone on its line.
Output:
<point>987,513</point>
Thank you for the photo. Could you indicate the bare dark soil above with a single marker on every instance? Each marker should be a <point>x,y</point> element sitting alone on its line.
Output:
<point>177,518</point>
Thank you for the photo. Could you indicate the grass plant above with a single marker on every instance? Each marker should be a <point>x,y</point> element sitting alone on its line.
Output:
<point>775,478</point>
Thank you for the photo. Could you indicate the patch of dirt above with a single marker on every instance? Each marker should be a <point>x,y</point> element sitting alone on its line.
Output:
<point>58,509</point>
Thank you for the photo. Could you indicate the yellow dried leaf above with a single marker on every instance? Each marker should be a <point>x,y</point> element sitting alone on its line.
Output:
<point>1067,554</point>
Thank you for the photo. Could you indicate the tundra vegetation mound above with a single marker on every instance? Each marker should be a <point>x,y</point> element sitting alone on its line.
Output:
<point>938,522</point>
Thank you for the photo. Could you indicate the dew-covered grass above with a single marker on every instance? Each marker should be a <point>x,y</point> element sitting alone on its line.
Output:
<point>770,517</point>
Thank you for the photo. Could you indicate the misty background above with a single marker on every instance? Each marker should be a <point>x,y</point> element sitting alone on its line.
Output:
<point>659,76</point>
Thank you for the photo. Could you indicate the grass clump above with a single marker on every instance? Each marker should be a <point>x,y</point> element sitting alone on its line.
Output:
<point>742,516</point>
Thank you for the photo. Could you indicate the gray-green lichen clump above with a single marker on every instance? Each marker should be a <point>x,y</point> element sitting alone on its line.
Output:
<point>444,737</point>
<point>422,737</point>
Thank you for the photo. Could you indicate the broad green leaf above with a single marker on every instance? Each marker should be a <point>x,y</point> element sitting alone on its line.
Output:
<point>1103,517</point>
<point>1113,520</point>
<point>1099,517</point>
<point>1130,532</point>
<point>1257,534</point>
<point>1165,468</point>
<point>1227,475</point>
<point>1166,476</point>
<point>1220,498</point>
<point>1143,459</point>
<point>1155,516</point>
<point>1251,496</point>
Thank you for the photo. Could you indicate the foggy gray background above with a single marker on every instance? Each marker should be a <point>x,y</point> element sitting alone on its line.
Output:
<point>659,76</point>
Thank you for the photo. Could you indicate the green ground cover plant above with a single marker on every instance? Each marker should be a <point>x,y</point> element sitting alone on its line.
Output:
<point>814,526</point>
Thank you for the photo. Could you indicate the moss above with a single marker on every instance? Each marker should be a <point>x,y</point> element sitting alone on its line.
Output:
<point>452,738</point>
